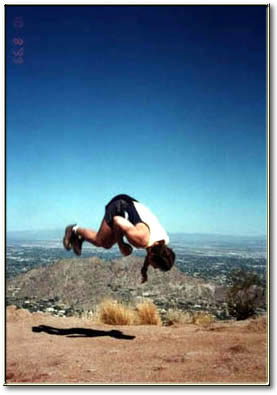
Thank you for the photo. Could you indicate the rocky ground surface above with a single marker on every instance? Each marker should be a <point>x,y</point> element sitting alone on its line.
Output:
<point>44,349</point>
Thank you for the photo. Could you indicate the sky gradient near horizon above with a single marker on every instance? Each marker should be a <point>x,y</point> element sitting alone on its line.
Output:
<point>165,103</point>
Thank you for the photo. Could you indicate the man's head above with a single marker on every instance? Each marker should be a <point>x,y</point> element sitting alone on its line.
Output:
<point>158,256</point>
<point>161,257</point>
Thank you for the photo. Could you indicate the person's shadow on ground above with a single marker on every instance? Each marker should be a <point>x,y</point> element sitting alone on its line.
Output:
<point>81,332</point>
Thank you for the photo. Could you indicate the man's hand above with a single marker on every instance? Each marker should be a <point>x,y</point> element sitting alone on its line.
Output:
<point>125,248</point>
<point>144,269</point>
<point>144,279</point>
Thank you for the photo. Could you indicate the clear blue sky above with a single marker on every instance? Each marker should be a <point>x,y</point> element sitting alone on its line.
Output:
<point>165,103</point>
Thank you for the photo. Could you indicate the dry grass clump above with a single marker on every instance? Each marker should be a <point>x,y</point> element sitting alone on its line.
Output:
<point>201,318</point>
<point>147,314</point>
<point>175,316</point>
<point>112,312</point>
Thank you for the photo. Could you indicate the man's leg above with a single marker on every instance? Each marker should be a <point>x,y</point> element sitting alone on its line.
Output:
<point>106,237</point>
<point>103,238</point>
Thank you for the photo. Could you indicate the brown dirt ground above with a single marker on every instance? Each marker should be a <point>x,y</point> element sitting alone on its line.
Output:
<point>48,350</point>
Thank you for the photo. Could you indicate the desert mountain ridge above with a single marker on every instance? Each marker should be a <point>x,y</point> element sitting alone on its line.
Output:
<point>82,283</point>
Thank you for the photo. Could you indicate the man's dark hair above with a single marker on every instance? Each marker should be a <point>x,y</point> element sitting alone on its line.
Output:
<point>162,256</point>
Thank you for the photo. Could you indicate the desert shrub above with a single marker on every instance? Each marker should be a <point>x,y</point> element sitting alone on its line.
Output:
<point>245,294</point>
<point>147,314</point>
<point>112,312</point>
<point>175,316</point>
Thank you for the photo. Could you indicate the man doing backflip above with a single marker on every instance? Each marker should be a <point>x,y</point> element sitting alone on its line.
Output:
<point>126,217</point>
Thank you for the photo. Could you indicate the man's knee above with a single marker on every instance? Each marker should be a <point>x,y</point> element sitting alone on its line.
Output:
<point>104,244</point>
<point>107,245</point>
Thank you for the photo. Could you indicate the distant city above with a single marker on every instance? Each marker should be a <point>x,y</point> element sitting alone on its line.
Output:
<point>210,257</point>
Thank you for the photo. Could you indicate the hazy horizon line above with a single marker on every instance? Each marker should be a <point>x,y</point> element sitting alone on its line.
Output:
<point>55,230</point>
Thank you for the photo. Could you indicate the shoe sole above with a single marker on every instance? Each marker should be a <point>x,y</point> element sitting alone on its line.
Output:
<point>67,245</point>
<point>75,245</point>
<point>66,240</point>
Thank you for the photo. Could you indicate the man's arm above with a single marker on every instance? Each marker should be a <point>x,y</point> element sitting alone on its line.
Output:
<point>137,235</point>
<point>144,269</point>
<point>125,248</point>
